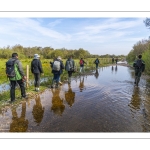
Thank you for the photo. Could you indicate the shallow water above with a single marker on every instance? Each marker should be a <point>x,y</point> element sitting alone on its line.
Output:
<point>104,102</point>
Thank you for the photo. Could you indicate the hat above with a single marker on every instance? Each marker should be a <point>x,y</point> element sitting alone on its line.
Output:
<point>59,57</point>
<point>36,56</point>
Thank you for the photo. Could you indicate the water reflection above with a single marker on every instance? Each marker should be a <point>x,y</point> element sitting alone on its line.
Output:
<point>136,99</point>
<point>70,96</point>
<point>112,101</point>
<point>116,68</point>
<point>38,110</point>
<point>81,85</point>
<point>57,103</point>
<point>112,69</point>
<point>96,74</point>
<point>19,124</point>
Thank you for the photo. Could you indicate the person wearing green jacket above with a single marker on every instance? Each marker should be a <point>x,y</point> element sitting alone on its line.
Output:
<point>18,77</point>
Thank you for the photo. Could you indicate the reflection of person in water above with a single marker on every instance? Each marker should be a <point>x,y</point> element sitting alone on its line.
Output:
<point>19,124</point>
<point>112,69</point>
<point>70,96</point>
<point>38,110</point>
<point>81,85</point>
<point>57,103</point>
<point>135,101</point>
<point>116,69</point>
<point>96,74</point>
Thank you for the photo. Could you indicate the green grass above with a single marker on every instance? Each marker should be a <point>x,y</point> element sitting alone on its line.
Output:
<point>5,95</point>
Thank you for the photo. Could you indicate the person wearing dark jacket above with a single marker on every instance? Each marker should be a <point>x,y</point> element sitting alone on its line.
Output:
<point>18,78</point>
<point>70,66</point>
<point>139,66</point>
<point>37,70</point>
<point>57,69</point>
<point>96,62</point>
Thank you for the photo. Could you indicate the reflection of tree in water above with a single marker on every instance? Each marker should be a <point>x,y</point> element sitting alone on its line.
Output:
<point>96,74</point>
<point>57,103</point>
<point>70,96</point>
<point>135,100</point>
<point>19,124</point>
<point>38,110</point>
<point>81,85</point>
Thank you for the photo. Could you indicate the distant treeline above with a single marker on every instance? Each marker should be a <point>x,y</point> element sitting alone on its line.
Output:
<point>141,47</point>
<point>49,52</point>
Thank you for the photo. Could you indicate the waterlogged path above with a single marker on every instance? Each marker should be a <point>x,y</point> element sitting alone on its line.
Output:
<point>104,102</point>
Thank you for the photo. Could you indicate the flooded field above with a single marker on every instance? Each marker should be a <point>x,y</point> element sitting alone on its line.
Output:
<point>106,101</point>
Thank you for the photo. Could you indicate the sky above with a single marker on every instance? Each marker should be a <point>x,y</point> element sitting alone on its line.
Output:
<point>98,35</point>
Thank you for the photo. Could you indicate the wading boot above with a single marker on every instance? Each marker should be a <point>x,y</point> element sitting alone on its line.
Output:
<point>137,81</point>
<point>53,84</point>
<point>57,84</point>
<point>69,80</point>
<point>60,83</point>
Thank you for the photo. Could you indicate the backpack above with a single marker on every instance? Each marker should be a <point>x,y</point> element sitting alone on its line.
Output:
<point>139,63</point>
<point>81,62</point>
<point>56,65</point>
<point>70,64</point>
<point>10,69</point>
<point>96,61</point>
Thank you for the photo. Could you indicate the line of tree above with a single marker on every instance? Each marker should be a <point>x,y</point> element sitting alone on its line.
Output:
<point>141,47</point>
<point>49,52</point>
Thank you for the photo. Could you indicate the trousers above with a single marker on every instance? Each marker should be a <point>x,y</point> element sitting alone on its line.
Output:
<point>37,79</point>
<point>12,88</point>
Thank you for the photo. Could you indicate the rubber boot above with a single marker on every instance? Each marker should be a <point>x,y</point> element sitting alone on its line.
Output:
<point>57,84</point>
<point>69,80</point>
<point>53,84</point>
<point>137,81</point>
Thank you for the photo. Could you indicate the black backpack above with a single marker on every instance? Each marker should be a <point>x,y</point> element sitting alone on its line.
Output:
<point>96,61</point>
<point>10,69</point>
<point>139,63</point>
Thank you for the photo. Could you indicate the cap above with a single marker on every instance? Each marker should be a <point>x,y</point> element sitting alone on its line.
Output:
<point>36,56</point>
<point>59,57</point>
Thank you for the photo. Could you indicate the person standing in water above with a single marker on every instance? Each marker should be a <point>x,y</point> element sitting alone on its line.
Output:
<point>96,62</point>
<point>139,66</point>
<point>70,66</point>
<point>37,70</point>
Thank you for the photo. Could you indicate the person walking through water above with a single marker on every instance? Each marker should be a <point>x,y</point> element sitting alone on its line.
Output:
<point>139,66</point>
<point>15,73</point>
<point>70,66</point>
<point>113,60</point>
<point>82,62</point>
<point>97,62</point>
<point>57,69</point>
<point>116,60</point>
<point>37,70</point>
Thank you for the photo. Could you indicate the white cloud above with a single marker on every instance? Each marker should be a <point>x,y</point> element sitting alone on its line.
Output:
<point>77,33</point>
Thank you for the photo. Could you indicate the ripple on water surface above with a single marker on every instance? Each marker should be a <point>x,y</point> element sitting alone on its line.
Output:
<point>105,102</point>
